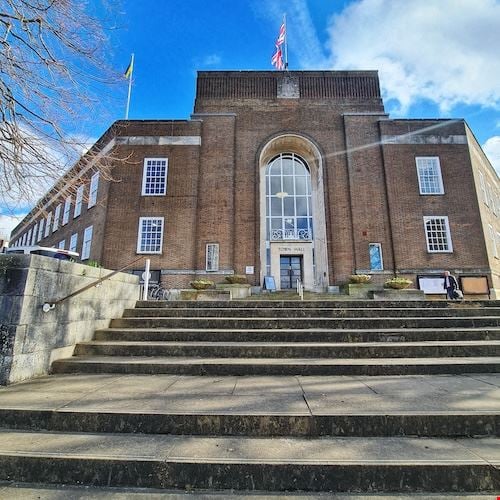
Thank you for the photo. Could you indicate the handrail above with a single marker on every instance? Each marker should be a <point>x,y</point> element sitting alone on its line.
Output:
<point>49,305</point>
<point>300,289</point>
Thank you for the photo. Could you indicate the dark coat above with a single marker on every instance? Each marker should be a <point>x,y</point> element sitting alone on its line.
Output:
<point>452,281</point>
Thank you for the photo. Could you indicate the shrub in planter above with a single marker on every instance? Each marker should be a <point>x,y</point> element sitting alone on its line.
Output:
<point>360,278</point>
<point>201,284</point>
<point>397,283</point>
<point>237,279</point>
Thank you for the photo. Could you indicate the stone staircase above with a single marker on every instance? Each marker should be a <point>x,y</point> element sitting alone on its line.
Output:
<point>313,396</point>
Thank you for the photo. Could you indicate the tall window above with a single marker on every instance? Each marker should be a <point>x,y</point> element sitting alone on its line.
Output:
<point>429,175</point>
<point>73,242</point>
<point>94,185</point>
<point>150,237</point>
<point>30,232</point>
<point>493,241</point>
<point>57,216</point>
<point>482,184</point>
<point>62,244</point>
<point>154,177</point>
<point>437,232</point>
<point>67,208</point>
<point>87,243</point>
<point>40,230</point>
<point>376,262</point>
<point>78,201</point>
<point>48,222</point>
<point>288,199</point>
<point>212,257</point>
<point>33,236</point>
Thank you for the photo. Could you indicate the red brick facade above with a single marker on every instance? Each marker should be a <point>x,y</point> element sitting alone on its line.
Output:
<point>362,164</point>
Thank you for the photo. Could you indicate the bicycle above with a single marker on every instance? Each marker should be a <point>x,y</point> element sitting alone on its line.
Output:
<point>157,292</point>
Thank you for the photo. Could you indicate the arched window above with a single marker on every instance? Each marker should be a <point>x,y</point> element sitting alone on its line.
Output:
<point>288,199</point>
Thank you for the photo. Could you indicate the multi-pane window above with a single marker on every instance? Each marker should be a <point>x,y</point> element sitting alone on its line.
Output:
<point>67,209</point>
<point>78,201</point>
<point>62,244</point>
<point>33,236</point>
<point>73,242</point>
<point>493,241</point>
<point>376,262</point>
<point>94,184</point>
<point>57,216</point>
<point>288,199</point>
<point>150,237</point>
<point>154,178</point>
<point>87,243</point>
<point>482,184</point>
<point>437,232</point>
<point>429,175</point>
<point>212,257</point>
<point>30,232</point>
<point>40,230</point>
<point>48,222</point>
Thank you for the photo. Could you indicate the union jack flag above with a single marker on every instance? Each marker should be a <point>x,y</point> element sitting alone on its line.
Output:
<point>277,59</point>
<point>281,36</point>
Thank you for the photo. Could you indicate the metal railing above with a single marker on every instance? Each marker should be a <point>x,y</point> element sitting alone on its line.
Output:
<point>300,289</point>
<point>50,304</point>
<point>291,234</point>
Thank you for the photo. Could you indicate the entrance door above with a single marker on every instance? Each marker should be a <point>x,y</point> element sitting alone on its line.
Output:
<point>290,271</point>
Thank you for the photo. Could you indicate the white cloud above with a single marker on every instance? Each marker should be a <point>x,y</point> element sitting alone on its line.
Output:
<point>212,60</point>
<point>442,50</point>
<point>492,150</point>
<point>8,223</point>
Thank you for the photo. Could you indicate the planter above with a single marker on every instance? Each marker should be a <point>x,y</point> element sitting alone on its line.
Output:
<point>201,284</point>
<point>360,279</point>
<point>237,291</point>
<point>397,283</point>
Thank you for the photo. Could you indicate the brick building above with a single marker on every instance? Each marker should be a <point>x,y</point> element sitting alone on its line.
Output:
<point>289,174</point>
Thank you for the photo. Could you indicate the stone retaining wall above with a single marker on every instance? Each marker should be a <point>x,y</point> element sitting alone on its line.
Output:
<point>30,340</point>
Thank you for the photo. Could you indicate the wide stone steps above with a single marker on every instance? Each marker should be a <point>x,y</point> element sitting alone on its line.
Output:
<point>297,335</point>
<point>323,312</point>
<point>314,304</point>
<point>291,350</point>
<point>244,463</point>
<point>275,366</point>
<point>302,323</point>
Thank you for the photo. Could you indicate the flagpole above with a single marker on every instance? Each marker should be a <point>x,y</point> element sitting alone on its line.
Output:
<point>286,42</point>
<point>129,86</point>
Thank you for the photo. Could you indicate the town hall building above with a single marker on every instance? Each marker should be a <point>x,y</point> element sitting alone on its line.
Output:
<point>290,174</point>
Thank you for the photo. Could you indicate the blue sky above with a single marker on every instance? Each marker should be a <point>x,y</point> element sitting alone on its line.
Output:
<point>437,58</point>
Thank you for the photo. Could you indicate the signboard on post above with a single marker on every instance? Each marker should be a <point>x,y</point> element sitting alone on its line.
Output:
<point>269,283</point>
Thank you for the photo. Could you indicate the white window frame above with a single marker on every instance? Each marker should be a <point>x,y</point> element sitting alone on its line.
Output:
<point>57,216</point>
<point>437,164</point>
<point>34,235</point>
<point>48,224</point>
<point>139,235</point>
<point>73,242</point>
<point>61,245</point>
<point>87,242</point>
<point>379,245</point>
<point>482,184</point>
<point>78,201</point>
<point>67,210</point>
<point>214,265</point>
<point>40,230</point>
<point>493,241</point>
<point>30,234</point>
<point>144,176</point>
<point>94,186</point>
<point>448,233</point>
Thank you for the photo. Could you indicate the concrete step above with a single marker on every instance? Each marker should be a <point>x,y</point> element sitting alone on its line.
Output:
<point>260,304</point>
<point>28,491</point>
<point>298,335</point>
<point>273,366</point>
<point>269,464</point>
<point>323,312</point>
<point>360,350</point>
<point>303,323</point>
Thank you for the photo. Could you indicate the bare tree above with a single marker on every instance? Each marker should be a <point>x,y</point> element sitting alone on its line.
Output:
<point>52,69</point>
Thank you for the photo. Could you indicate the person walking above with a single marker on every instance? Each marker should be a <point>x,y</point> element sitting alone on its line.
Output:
<point>450,285</point>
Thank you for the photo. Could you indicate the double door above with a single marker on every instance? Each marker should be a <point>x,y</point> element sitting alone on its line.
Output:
<point>290,271</point>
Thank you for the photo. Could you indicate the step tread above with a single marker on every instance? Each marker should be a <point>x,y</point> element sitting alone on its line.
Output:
<point>176,360</point>
<point>189,449</point>
<point>347,345</point>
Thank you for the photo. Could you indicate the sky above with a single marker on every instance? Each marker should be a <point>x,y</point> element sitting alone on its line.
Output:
<point>436,58</point>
